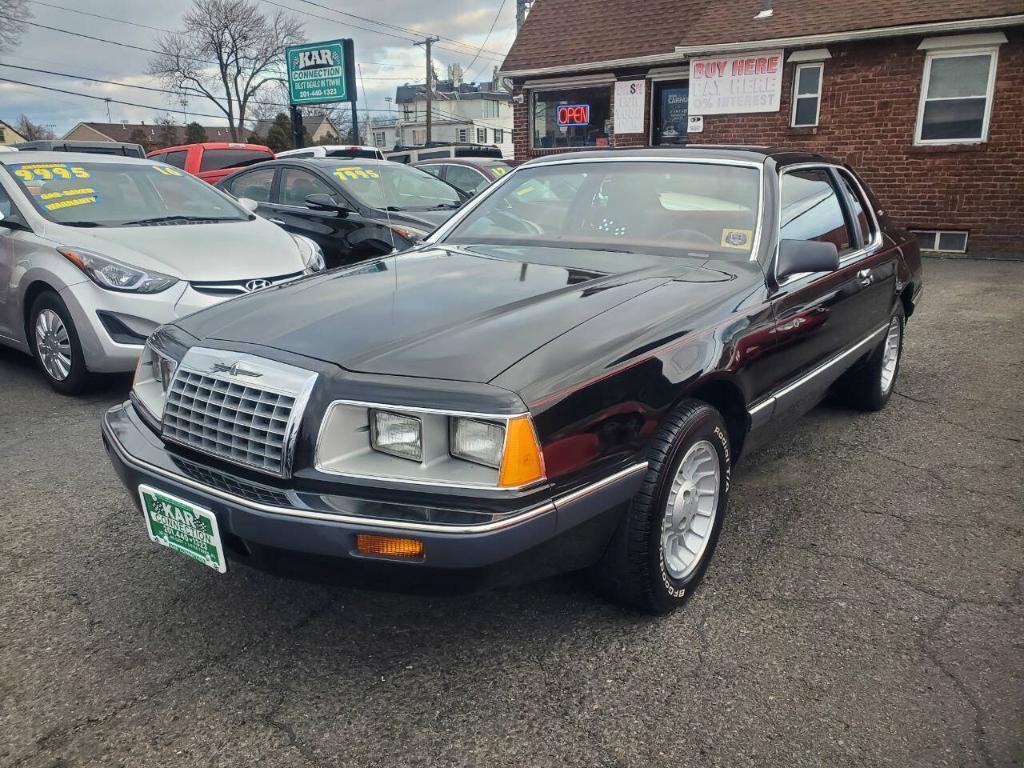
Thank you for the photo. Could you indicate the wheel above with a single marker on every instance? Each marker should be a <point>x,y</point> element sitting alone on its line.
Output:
<point>666,539</point>
<point>56,346</point>
<point>869,386</point>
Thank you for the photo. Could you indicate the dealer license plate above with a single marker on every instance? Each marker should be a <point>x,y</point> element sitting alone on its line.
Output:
<point>183,527</point>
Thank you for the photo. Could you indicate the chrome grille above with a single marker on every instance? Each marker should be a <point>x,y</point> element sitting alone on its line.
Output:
<point>239,408</point>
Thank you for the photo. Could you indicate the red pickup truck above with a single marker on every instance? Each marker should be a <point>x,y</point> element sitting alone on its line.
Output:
<point>212,161</point>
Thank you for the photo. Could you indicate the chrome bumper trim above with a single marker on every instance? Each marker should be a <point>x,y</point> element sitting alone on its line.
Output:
<point>497,525</point>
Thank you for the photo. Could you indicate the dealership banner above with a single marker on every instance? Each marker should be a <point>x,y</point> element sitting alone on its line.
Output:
<point>730,85</point>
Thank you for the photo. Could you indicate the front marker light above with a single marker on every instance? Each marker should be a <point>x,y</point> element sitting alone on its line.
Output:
<point>312,254</point>
<point>153,376</point>
<point>397,434</point>
<point>523,461</point>
<point>481,442</point>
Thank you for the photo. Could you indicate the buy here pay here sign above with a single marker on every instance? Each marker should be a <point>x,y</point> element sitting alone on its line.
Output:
<point>729,85</point>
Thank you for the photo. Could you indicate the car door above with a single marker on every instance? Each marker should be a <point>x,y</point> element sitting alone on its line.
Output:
<point>824,321</point>
<point>332,231</point>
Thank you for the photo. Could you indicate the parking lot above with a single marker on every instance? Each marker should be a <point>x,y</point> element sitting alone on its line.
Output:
<point>865,607</point>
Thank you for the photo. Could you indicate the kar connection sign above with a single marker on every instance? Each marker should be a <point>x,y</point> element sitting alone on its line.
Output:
<point>573,114</point>
<point>321,73</point>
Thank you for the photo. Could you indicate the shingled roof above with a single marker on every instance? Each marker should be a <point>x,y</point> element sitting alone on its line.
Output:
<point>564,33</point>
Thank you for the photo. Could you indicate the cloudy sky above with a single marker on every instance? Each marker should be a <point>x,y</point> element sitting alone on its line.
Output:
<point>386,61</point>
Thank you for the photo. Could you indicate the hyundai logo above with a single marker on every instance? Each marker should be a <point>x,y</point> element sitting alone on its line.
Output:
<point>256,285</point>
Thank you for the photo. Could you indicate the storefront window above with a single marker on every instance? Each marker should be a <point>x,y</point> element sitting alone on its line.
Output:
<point>574,117</point>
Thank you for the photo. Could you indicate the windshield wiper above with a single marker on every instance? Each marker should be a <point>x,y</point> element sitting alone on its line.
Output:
<point>80,224</point>
<point>446,206</point>
<point>182,219</point>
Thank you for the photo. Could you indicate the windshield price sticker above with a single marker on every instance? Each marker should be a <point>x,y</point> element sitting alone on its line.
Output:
<point>167,170</point>
<point>346,174</point>
<point>499,171</point>
<point>49,171</point>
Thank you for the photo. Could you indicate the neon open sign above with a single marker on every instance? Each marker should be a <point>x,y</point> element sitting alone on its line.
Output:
<point>574,114</point>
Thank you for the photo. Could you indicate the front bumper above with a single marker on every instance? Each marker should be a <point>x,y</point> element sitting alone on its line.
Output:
<point>267,525</point>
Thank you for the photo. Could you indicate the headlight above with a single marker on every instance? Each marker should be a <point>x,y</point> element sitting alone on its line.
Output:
<point>114,276</point>
<point>481,442</point>
<point>153,376</point>
<point>397,434</point>
<point>411,234</point>
<point>312,254</point>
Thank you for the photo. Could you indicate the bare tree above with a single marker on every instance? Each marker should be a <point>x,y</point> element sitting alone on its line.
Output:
<point>226,52</point>
<point>33,131</point>
<point>13,13</point>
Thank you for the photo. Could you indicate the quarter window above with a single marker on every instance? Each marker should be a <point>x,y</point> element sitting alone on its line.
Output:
<point>807,94</point>
<point>956,97</point>
<point>858,209</point>
<point>575,117</point>
<point>811,210</point>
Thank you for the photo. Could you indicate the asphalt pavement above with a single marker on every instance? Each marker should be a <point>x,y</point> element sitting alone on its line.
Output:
<point>865,606</point>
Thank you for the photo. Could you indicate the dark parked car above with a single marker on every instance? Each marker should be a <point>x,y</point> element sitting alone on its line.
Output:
<point>467,176</point>
<point>90,147</point>
<point>353,208</point>
<point>562,376</point>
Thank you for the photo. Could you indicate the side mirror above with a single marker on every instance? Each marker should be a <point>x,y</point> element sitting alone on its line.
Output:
<point>322,202</point>
<point>796,256</point>
<point>248,203</point>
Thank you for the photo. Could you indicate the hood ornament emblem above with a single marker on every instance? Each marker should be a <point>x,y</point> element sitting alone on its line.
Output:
<point>234,369</point>
<point>256,285</point>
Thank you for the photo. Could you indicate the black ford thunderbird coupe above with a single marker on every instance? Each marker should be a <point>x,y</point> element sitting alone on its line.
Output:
<point>560,377</point>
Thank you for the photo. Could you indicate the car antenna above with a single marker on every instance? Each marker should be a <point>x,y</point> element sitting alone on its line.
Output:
<point>387,212</point>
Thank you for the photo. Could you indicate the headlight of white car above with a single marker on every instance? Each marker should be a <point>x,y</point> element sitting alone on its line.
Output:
<point>114,275</point>
<point>153,376</point>
<point>312,255</point>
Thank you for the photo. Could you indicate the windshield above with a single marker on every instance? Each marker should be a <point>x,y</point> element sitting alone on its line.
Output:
<point>664,208</point>
<point>395,187</point>
<point>121,194</point>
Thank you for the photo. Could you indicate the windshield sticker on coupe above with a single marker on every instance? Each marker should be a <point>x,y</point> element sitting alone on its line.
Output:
<point>167,170</point>
<point>736,238</point>
<point>500,171</point>
<point>354,173</point>
<point>67,193</point>
<point>49,171</point>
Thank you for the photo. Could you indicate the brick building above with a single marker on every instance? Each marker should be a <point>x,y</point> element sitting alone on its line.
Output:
<point>924,97</point>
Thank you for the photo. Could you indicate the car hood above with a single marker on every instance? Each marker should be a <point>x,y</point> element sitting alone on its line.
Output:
<point>194,252</point>
<point>425,220</point>
<point>441,313</point>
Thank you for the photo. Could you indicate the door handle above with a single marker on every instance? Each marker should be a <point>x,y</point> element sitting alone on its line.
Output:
<point>864,275</point>
<point>276,221</point>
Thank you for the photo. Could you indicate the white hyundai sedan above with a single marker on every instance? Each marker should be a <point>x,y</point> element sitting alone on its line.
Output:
<point>96,252</point>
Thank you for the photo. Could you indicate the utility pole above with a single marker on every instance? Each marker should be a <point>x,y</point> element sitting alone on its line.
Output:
<point>430,83</point>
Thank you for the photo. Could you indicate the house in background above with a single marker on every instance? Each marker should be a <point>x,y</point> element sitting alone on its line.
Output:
<point>152,132</point>
<point>475,113</point>
<point>8,135</point>
<point>319,128</point>
<point>925,99</point>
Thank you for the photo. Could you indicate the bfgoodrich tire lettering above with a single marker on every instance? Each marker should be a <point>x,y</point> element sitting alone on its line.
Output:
<point>633,571</point>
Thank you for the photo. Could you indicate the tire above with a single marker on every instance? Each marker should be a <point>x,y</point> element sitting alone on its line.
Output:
<point>867,387</point>
<point>635,570</point>
<point>50,327</point>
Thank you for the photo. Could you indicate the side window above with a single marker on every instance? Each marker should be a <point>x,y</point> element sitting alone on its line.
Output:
<point>433,170</point>
<point>219,159</point>
<point>301,154</point>
<point>297,184</point>
<point>161,158</point>
<point>811,210</point>
<point>177,159</point>
<point>858,209</point>
<point>465,179</point>
<point>6,205</point>
<point>255,185</point>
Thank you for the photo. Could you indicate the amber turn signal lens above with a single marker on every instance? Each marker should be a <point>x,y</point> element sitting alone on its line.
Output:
<point>389,546</point>
<point>523,462</point>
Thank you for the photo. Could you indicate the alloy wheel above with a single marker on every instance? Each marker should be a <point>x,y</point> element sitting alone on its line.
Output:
<point>53,345</point>
<point>891,353</point>
<point>690,510</point>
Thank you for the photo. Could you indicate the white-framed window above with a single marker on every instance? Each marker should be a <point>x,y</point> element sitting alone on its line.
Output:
<point>956,96</point>
<point>419,136</point>
<point>463,135</point>
<point>490,108</point>
<point>499,136</point>
<point>950,241</point>
<point>807,94</point>
<point>481,135</point>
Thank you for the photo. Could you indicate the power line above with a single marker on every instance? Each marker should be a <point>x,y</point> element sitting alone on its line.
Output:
<point>494,23</point>
<point>101,16</point>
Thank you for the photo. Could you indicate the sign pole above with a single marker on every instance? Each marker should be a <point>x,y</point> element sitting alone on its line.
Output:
<point>355,124</point>
<point>298,137</point>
